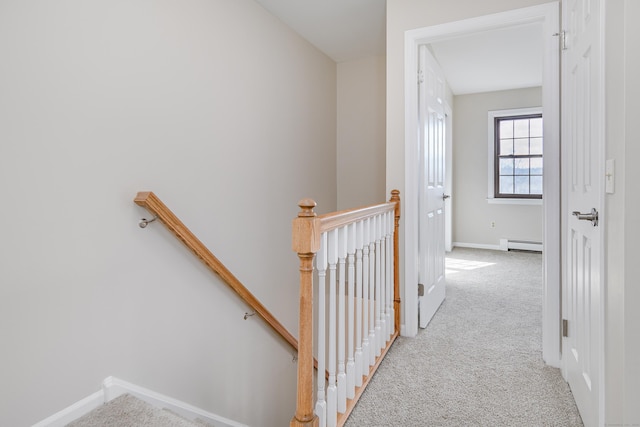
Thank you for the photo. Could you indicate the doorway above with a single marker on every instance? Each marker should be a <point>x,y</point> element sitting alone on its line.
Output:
<point>548,16</point>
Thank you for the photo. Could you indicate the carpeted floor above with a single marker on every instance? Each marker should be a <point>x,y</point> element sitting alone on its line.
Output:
<point>479,362</point>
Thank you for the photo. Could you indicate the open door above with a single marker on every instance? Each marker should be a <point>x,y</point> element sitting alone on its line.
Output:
<point>431,216</point>
<point>583,139</point>
<point>448,179</point>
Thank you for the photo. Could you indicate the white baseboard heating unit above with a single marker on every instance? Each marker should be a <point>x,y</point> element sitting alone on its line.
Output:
<point>520,245</point>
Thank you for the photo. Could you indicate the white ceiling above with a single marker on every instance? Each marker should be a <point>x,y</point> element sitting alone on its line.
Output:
<point>346,30</point>
<point>343,29</point>
<point>506,58</point>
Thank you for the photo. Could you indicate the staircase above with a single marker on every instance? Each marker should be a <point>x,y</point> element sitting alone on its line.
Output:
<point>123,404</point>
<point>129,411</point>
<point>356,254</point>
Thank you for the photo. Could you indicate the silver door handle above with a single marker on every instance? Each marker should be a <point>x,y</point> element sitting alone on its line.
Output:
<point>593,216</point>
<point>445,196</point>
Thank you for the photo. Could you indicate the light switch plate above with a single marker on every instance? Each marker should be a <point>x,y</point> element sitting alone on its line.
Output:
<point>610,176</point>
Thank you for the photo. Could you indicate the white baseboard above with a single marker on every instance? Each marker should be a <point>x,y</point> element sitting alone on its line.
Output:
<point>114,387</point>
<point>505,245</point>
<point>478,246</point>
<point>73,412</point>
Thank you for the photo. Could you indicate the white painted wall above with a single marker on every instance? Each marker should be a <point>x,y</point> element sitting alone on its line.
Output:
<point>632,207</point>
<point>223,112</point>
<point>361,132</point>
<point>623,294</point>
<point>623,270</point>
<point>403,15</point>
<point>472,214</point>
<point>614,213</point>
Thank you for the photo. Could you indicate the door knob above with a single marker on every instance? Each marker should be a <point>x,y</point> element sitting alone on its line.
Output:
<point>445,196</point>
<point>592,216</point>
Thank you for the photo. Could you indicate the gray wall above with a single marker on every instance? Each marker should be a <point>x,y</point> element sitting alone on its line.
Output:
<point>472,214</point>
<point>361,132</point>
<point>632,207</point>
<point>622,233</point>
<point>621,225</point>
<point>225,114</point>
<point>403,15</point>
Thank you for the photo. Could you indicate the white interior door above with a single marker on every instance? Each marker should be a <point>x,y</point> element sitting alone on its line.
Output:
<point>582,135</point>
<point>431,218</point>
<point>448,179</point>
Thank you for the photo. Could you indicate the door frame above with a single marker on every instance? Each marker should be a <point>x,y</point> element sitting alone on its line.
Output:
<point>549,15</point>
<point>448,180</point>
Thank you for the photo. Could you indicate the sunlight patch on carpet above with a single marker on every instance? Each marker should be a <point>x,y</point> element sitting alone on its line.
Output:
<point>454,265</point>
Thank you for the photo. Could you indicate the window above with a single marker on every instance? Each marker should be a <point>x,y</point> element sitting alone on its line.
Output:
<point>515,154</point>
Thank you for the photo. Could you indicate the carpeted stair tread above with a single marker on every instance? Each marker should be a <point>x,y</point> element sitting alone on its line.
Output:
<point>129,411</point>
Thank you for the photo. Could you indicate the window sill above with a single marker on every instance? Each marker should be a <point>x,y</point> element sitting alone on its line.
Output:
<point>501,201</point>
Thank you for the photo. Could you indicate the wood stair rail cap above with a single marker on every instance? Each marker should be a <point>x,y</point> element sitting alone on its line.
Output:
<point>306,229</point>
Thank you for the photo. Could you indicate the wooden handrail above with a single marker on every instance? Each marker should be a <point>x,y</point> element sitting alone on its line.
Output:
<point>335,220</point>
<point>154,205</point>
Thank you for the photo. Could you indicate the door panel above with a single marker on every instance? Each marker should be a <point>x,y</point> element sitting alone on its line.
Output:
<point>582,136</point>
<point>432,186</point>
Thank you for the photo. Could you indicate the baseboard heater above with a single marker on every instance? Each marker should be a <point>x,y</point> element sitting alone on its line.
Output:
<point>520,245</point>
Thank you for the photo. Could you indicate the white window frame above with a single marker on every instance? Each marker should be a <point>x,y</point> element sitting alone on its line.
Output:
<point>491,140</point>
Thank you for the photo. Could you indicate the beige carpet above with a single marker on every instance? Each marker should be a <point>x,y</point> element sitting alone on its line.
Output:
<point>128,411</point>
<point>479,362</point>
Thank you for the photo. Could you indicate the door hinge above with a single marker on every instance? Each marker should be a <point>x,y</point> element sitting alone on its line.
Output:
<point>420,290</point>
<point>565,328</point>
<point>420,76</point>
<point>563,39</point>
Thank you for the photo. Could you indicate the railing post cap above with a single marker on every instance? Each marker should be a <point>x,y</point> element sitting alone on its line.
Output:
<point>306,208</point>
<point>306,229</point>
<point>395,198</point>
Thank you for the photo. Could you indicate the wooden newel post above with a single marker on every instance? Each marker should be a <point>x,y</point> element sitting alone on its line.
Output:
<point>306,242</point>
<point>395,198</point>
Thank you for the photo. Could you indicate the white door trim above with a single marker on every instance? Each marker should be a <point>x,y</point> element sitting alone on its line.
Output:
<point>548,14</point>
<point>448,180</point>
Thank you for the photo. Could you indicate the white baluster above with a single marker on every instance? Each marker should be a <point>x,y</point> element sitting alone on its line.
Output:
<point>321,266</point>
<point>365,297</point>
<point>359,354</point>
<point>379,297</point>
<point>332,390</point>
<point>373,342</point>
<point>389,269</point>
<point>342,375</point>
<point>351,249</point>
<point>383,281</point>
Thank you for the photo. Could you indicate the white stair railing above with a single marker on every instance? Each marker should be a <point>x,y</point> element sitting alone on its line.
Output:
<point>359,362</point>
<point>321,259</point>
<point>356,248</point>
<point>351,252</point>
<point>332,389</point>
